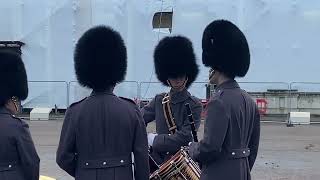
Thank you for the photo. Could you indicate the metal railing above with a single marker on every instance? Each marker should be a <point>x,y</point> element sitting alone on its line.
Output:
<point>276,94</point>
<point>280,97</point>
<point>47,94</point>
<point>306,96</point>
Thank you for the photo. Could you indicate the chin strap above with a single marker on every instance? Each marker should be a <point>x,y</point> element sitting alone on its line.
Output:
<point>180,87</point>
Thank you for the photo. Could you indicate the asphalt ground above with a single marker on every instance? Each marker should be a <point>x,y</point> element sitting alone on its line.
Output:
<point>285,153</point>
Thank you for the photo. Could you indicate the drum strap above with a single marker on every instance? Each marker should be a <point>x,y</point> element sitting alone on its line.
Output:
<point>168,113</point>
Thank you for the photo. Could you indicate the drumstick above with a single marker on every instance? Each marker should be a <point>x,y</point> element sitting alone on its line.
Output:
<point>151,158</point>
<point>191,120</point>
<point>154,161</point>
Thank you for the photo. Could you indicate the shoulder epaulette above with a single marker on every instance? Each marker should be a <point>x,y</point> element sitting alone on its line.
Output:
<point>77,102</point>
<point>128,99</point>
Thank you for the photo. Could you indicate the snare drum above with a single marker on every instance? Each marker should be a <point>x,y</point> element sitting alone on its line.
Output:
<point>178,167</point>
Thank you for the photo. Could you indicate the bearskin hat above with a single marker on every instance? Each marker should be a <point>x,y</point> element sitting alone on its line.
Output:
<point>225,48</point>
<point>100,58</point>
<point>174,57</point>
<point>13,77</point>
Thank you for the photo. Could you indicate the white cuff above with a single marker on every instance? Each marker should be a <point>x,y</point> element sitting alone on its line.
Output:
<point>151,137</point>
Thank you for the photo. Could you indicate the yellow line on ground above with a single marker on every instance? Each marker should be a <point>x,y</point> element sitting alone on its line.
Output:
<point>46,178</point>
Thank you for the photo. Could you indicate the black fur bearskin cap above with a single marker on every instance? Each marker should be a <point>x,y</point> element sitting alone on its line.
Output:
<point>100,58</point>
<point>225,48</point>
<point>174,57</point>
<point>13,77</point>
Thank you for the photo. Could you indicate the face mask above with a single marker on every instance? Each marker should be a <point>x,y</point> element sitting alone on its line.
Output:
<point>211,73</point>
<point>16,103</point>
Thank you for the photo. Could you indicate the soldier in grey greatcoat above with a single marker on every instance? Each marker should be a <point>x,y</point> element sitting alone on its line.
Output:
<point>101,132</point>
<point>18,157</point>
<point>232,128</point>
<point>176,67</point>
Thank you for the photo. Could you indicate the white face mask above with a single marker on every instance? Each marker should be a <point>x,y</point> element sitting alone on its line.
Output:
<point>211,73</point>
<point>212,76</point>
<point>16,104</point>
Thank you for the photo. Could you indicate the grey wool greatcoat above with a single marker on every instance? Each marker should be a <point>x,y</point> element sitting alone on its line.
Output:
<point>165,145</point>
<point>231,135</point>
<point>99,136</point>
<point>18,157</point>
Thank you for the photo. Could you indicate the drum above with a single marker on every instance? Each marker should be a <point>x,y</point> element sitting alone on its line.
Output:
<point>178,167</point>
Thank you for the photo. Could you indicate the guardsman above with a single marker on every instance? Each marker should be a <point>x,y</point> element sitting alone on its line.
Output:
<point>18,157</point>
<point>176,67</point>
<point>102,132</point>
<point>232,128</point>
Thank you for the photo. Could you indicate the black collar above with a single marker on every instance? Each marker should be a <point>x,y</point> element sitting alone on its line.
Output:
<point>108,92</point>
<point>4,110</point>
<point>230,84</point>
